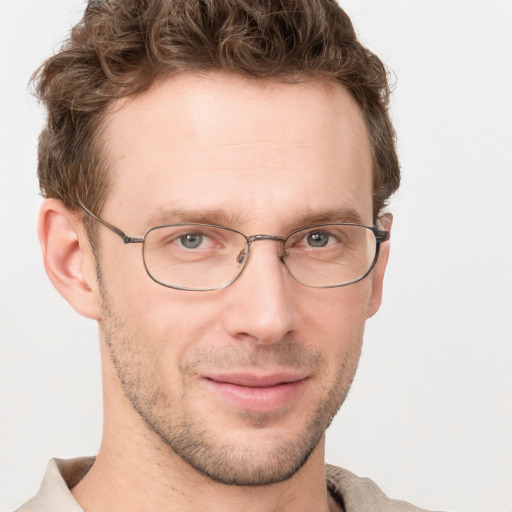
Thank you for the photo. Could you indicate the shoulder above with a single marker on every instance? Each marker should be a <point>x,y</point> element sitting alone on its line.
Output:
<point>362,494</point>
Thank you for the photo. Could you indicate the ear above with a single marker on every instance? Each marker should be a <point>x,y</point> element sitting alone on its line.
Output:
<point>377,275</point>
<point>67,256</point>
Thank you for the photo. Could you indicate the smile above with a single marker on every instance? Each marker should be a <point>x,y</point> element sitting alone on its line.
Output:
<point>257,393</point>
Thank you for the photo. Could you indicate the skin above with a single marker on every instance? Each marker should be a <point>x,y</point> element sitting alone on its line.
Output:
<point>261,158</point>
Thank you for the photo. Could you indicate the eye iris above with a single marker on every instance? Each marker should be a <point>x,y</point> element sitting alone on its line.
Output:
<point>191,241</point>
<point>317,239</point>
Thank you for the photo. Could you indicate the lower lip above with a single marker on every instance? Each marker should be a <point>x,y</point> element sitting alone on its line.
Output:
<point>258,399</point>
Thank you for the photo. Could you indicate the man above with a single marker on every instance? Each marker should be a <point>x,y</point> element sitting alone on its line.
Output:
<point>215,175</point>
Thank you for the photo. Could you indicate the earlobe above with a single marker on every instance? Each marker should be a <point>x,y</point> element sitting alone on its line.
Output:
<point>67,257</point>
<point>378,272</point>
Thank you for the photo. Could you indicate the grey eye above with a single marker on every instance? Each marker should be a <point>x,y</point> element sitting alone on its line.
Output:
<point>317,239</point>
<point>191,240</point>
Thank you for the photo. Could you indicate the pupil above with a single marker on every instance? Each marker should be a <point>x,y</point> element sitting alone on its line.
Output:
<point>317,240</point>
<point>191,241</point>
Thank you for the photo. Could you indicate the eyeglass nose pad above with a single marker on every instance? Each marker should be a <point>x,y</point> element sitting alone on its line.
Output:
<point>242,256</point>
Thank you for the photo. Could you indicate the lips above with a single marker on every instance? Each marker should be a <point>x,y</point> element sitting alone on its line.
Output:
<point>255,392</point>
<point>257,381</point>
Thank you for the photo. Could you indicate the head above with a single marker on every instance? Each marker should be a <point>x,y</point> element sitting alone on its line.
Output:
<point>264,117</point>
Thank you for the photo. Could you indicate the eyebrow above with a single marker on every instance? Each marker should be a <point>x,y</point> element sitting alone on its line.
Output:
<point>222,217</point>
<point>163,216</point>
<point>336,215</point>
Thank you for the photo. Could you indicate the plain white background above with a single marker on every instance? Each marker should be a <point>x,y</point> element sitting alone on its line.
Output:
<point>430,414</point>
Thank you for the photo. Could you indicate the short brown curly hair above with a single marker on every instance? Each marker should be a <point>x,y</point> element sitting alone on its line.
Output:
<point>121,47</point>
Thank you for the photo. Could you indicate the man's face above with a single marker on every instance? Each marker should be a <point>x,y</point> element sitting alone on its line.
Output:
<point>241,382</point>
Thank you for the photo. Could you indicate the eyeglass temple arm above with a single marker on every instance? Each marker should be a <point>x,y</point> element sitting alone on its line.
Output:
<point>124,237</point>
<point>382,235</point>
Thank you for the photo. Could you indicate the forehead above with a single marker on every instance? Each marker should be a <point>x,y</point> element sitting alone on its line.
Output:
<point>220,142</point>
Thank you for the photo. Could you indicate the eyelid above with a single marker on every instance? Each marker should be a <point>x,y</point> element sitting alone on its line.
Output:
<point>326,228</point>
<point>212,235</point>
<point>299,236</point>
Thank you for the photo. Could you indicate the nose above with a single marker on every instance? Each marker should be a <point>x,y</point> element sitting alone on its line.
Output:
<point>261,303</point>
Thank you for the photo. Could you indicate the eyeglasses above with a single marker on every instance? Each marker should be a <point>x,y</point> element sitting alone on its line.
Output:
<point>203,257</point>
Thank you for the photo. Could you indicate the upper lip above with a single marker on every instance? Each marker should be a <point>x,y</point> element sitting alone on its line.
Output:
<point>254,380</point>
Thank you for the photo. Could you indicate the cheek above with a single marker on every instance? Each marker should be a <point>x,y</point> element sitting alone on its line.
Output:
<point>167,324</point>
<point>134,295</point>
<point>337,312</point>
<point>334,323</point>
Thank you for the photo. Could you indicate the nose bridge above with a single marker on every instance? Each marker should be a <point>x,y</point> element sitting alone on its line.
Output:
<point>262,307</point>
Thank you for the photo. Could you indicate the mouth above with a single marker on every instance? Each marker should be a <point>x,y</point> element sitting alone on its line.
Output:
<point>257,393</point>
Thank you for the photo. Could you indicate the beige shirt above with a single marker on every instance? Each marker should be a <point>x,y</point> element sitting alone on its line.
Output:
<point>352,493</point>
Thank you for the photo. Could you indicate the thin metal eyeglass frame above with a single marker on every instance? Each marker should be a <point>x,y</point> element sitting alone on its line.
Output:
<point>381,236</point>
